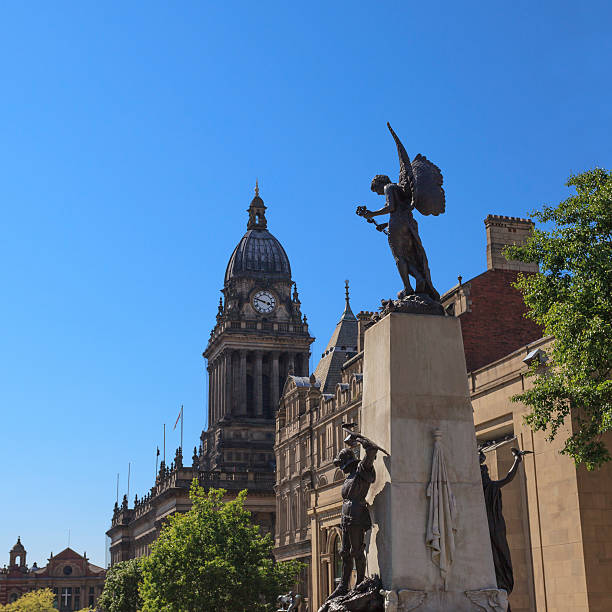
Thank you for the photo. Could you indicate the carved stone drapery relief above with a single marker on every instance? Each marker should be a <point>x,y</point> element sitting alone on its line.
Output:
<point>441,523</point>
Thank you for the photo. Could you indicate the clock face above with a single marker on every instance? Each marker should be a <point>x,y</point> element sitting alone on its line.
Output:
<point>264,302</point>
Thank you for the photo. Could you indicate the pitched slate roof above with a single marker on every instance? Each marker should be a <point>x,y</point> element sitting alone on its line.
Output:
<point>341,346</point>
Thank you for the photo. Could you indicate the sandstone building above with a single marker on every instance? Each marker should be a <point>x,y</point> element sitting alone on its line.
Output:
<point>260,337</point>
<point>76,582</point>
<point>559,518</point>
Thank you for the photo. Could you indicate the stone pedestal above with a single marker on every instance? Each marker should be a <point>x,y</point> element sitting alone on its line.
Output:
<point>415,395</point>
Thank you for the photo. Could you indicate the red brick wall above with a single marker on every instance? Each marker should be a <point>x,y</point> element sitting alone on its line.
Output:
<point>496,325</point>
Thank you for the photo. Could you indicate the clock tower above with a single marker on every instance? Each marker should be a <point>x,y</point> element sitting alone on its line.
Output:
<point>260,337</point>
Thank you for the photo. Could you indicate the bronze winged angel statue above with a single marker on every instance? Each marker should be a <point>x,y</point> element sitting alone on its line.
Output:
<point>419,187</point>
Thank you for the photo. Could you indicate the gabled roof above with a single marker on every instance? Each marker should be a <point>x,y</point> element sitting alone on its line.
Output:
<point>70,555</point>
<point>299,382</point>
<point>341,346</point>
<point>66,554</point>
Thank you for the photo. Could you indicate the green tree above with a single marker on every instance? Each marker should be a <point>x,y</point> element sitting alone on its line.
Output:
<point>571,297</point>
<point>213,558</point>
<point>35,601</point>
<point>120,592</point>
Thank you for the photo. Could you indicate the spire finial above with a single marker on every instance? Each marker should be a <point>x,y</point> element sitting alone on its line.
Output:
<point>256,188</point>
<point>348,313</point>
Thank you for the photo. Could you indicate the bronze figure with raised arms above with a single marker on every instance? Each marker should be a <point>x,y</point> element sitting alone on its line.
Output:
<point>497,525</point>
<point>355,521</point>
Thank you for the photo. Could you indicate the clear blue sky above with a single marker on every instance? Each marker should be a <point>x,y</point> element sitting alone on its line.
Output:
<point>132,135</point>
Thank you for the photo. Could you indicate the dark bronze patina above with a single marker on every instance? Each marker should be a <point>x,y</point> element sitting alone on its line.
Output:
<point>497,525</point>
<point>355,521</point>
<point>419,187</point>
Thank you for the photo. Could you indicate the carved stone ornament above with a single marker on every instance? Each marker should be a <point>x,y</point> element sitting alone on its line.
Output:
<point>490,600</point>
<point>442,519</point>
<point>403,600</point>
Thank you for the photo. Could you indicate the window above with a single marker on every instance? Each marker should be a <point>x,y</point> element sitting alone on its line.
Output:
<point>322,446</point>
<point>91,596</point>
<point>66,598</point>
<point>67,570</point>
<point>329,454</point>
<point>337,561</point>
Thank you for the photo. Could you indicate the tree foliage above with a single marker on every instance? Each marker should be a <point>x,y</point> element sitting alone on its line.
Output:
<point>571,297</point>
<point>35,601</point>
<point>213,558</point>
<point>120,592</point>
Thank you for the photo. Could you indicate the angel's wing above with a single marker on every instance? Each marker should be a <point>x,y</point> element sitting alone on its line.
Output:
<point>406,177</point>
<point>427,192</point>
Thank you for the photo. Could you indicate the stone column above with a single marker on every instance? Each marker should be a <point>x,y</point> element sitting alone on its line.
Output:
<point>215,390</point>
<point>222,384</point>
<point>218,389</point>
<point>211,391</point>
<point>274,391</point>
<point>242,383</point>
<point>210,387</point>
<point>228,382</point>
<point>258,384</point>
<point>315,562</point>
<point>290,363</point>
<point>430,537</point>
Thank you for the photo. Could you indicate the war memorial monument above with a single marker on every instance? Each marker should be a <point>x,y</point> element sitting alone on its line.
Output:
<point>414,519</point>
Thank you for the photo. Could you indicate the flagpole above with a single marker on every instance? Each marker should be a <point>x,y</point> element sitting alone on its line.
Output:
<point>164,459</point>
<point>156,462</point>
<point>181,428</point>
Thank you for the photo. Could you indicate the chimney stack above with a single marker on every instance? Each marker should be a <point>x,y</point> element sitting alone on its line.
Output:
<point>503,231</point>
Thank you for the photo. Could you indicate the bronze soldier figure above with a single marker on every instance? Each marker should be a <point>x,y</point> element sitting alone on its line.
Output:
<point>419,186</point>
<point>355,519</point>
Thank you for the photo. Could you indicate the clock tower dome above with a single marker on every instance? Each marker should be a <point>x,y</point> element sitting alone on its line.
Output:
<point>259,338</point>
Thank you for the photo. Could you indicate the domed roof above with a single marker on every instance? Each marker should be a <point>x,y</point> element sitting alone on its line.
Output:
<point>258,253</point>
<point>18,546</point>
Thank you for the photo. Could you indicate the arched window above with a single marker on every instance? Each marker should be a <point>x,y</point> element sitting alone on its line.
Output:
<point>337,560</point>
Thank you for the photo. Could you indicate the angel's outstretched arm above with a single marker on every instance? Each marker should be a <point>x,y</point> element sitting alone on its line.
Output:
<point>389,206</point>
<point>385,210</point>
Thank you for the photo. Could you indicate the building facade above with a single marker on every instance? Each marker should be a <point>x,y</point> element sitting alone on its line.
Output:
<point>260,337</point>
<point>75,581</point>
<point>559,517</point>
